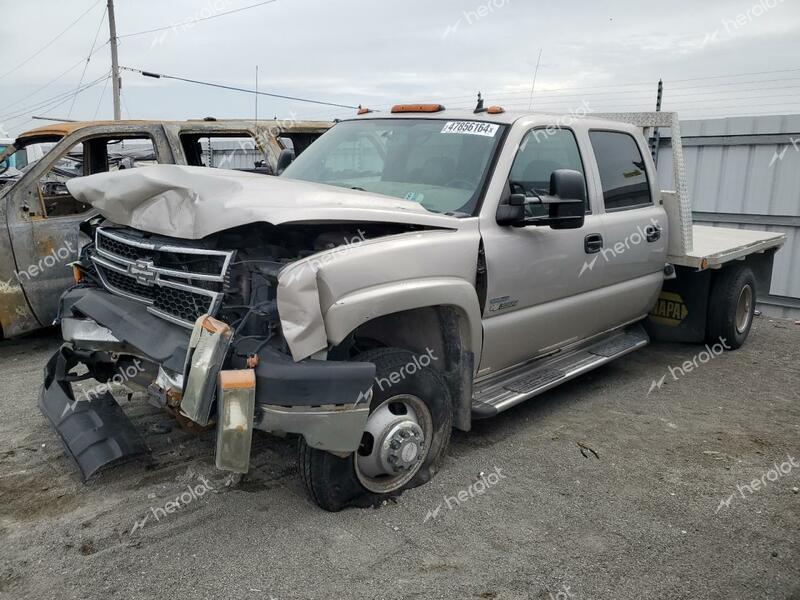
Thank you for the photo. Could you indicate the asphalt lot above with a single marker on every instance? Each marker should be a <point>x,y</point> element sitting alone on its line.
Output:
<point>656,513</point>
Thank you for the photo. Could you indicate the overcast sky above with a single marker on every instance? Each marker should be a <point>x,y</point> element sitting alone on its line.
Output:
<point>378,52</point>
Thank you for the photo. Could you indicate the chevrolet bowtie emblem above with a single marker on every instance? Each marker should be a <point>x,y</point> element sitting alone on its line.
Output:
<point>143,271</point>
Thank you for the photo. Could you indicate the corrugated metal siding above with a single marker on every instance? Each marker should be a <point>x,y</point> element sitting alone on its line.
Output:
<point>232,154</point>
<point>745,171</point>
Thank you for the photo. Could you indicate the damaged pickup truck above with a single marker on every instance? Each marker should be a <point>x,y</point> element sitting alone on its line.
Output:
<point>408,273</point>
<point>40,236</point>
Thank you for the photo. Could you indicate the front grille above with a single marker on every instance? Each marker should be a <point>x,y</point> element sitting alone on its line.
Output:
<point>178,283</point>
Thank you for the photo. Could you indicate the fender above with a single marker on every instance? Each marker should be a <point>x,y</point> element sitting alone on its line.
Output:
<point>350,311</point>
<point>322,298</point>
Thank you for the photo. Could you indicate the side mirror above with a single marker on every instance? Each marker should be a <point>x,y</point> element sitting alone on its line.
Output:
<point>512,211</point>
<point>567,199</point>
<point>284,160</point>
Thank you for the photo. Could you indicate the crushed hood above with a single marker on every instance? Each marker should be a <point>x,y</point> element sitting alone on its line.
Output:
<point>193,202</point>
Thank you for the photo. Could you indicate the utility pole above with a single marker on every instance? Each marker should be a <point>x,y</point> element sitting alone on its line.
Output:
<point>116,80</point>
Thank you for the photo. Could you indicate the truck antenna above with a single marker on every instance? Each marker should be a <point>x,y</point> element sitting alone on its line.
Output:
<point>535,73</point>
<point>479,108</point>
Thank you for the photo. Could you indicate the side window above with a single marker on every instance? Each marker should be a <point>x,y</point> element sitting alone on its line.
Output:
<point>237,151</point>
<point>53,194</point>
<point>622,170</point>
<point>541,152</point>
<point>93,155</point>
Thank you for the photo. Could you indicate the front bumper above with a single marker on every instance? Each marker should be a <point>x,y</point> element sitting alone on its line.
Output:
<point>95,431</point>
<point>325,402</point>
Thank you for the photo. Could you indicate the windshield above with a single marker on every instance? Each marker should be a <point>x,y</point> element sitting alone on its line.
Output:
<point>439,164</point>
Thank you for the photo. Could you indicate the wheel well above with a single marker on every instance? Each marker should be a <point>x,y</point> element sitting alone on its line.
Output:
<point>439,331</point>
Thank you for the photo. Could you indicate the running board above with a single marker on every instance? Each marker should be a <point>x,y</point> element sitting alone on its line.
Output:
<point>521,383</point>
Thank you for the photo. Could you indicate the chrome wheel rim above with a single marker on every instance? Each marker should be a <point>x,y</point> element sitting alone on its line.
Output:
<point>394,445</point>
<point>744,309</point>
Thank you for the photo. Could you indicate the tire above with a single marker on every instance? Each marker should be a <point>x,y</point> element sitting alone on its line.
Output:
<point>731,307</point>
<point>334,483</point>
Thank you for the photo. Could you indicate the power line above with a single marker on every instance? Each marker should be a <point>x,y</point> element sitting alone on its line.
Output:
<point>100,101</point>
<point>648,84</point>
<point>86,65</point>
<point>222,14</point>
<point>63,101</point>
<point>736,75</point>
<point>39,89</point>
<point>46,100</point>
<point>61,98</point>
<point>57,101</point>
<point>50,43</point>
<point>233,88</point>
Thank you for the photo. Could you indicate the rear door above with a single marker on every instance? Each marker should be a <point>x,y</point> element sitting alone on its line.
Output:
<point>634,249</point>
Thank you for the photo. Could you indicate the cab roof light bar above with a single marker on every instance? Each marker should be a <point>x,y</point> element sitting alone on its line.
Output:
<point>414,108</point>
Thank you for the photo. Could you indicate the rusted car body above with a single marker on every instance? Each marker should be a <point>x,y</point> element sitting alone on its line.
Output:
<point>41,235</point>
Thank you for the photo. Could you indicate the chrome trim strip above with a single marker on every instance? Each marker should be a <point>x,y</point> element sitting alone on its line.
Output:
<point>161,270</point>
<point>114,289</point>
<point>226,254</point>
<point>168,317</point>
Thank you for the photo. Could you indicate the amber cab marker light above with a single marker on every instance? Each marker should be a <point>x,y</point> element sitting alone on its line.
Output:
<point>76,273</point>
<point>363,110</point>
<point>424,108</point>
<point>495,110</point>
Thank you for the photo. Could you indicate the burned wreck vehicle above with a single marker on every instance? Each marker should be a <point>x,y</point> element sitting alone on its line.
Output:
<point>40,236</point>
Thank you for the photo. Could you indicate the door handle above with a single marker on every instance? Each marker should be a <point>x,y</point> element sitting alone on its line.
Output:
<point>652,233</point>
<point>592,243</point>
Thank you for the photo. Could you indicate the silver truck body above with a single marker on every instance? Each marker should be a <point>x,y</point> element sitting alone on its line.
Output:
<point>514,308</point>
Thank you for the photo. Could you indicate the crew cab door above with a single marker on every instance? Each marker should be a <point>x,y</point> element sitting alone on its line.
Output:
<point>542,288</point>
<point>43,217</point>
<point>634,248</point>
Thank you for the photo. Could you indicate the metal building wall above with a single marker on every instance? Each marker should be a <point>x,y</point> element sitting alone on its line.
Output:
<point>744,172</point>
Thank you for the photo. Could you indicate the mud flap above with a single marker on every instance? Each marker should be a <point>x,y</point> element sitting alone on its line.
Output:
<point>95,432</point>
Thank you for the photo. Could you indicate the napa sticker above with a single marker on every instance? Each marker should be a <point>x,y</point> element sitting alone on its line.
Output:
<point>471,128</point>
<point>670,310</point>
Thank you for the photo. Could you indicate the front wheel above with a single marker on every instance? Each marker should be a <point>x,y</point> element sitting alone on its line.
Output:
<point>404,440</point>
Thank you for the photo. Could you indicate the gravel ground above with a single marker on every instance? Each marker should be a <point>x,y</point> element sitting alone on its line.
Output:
<point>604,492</point>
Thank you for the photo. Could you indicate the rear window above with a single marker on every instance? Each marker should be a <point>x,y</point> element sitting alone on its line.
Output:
<point>622,170</point>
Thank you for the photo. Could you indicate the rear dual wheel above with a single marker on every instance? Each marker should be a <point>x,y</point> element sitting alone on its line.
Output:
<point>731,306</point>
<point>403,443</point>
